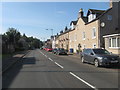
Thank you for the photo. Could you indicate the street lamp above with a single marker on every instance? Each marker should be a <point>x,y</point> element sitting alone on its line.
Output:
<point>51,31</point>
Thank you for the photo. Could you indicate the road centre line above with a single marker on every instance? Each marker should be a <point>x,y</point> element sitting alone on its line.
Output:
<point>45,55</point>
<point>58,65</point>
<point>73,74</point>
<point>83,81</point>
<point>50,59</point>
<point>41,53</point>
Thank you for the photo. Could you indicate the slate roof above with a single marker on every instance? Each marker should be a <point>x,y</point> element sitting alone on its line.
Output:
<point>94,11</point>
<point>74,22</point>
<point>100,15</point>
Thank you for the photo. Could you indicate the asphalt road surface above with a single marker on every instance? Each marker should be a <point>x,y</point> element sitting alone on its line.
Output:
<point>42,69</point>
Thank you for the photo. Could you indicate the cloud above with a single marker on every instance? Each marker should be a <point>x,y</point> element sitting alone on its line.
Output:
<point>61,12</point>
<point>22,22</point>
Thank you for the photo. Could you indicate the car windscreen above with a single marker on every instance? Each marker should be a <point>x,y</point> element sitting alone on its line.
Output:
<point>100,51</point>
<point>62,49</point>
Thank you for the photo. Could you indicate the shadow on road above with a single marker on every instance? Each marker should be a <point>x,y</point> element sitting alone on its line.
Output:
<point>9,76</point>
<point>30,60</point>
<point>114,66</point>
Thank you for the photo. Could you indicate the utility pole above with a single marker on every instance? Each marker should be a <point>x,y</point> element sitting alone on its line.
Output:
<point>51,31</point>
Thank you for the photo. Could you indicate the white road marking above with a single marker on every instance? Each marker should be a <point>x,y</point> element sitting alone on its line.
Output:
<point>45,55</point>
<point>42,53</point>
<point>83,80</point>
<point>59,65</point>
<point>50,59</point>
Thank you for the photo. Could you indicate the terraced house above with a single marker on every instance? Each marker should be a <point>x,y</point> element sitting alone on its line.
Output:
<point>98,29</point>
<point>64,39</point>
<point>90,29</point>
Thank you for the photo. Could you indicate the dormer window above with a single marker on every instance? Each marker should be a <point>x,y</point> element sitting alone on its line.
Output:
<point>91,17</point>
<point>93,14</point>
<point>73,24</point>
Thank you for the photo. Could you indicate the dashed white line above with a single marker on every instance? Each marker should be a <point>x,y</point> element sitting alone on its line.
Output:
<point>59,65</point>
<point>45,55</point>
<point>50,59</point>
<point>83,81</point>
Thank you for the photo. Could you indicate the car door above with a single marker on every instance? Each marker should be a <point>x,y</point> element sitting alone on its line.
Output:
<point>84,54</point>
<point>89,56</point>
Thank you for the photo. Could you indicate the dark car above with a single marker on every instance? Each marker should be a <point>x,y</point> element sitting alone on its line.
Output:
<point>99,57</point>
<point>54,50</point>
<point>61,51</point>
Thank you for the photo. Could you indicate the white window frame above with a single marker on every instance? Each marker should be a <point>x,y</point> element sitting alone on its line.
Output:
<point>109,17</point>
<point>94,45</point>
<point>91,17</point>
<point>93,30</point>
<point>83,35</point>
<point>84,46</point>
<point>112,42</point>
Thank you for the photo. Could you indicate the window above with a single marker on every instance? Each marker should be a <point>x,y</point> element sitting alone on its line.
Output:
<point>84,46</point>
<point>91,17</point>
<point>109,17</point>
<point>94,32</point>
<point>94,45</point>
<point>110,42</point>
<point>89,51</point>
<point>83,35</point>
<point>114,42</point>
<point>118,41</point>
<point>100,51</point>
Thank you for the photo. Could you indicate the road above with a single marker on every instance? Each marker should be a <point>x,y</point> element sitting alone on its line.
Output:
<point>41,69</point>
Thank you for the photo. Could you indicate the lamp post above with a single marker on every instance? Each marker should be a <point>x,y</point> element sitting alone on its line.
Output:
<point>51,31</point>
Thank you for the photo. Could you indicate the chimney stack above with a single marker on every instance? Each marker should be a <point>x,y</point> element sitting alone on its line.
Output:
<point>111,3</point>
<point>80,14</point>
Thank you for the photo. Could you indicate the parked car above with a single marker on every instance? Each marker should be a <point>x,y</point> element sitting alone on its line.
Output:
<point>54,50</point>
<point>44,48</point>
<point>61,51</point>
<point>99,57</point>
<point>49,49</point>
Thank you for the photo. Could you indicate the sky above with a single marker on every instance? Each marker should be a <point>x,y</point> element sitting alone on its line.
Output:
<point>33,18</point>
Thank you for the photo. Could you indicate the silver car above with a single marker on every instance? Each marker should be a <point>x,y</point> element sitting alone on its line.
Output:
<point>99,57</point>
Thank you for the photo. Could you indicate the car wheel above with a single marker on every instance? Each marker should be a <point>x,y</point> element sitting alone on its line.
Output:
<point>83,61</point>
<point>96,63</point>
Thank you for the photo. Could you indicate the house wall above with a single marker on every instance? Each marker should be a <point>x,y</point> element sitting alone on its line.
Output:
<point>76,36</point>
<point>64,41</point>
<point>73,40</point>
<point>57,42</point>
<point>88,41</point>
<point>111,26</point>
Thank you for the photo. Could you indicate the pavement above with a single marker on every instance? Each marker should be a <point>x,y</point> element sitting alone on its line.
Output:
<point>41,69</point>
<point>8,62</point>
<point>74,55</point>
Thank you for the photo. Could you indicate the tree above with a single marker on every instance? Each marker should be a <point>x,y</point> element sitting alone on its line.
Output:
<point>13,41</point>
<point>13,35</point>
